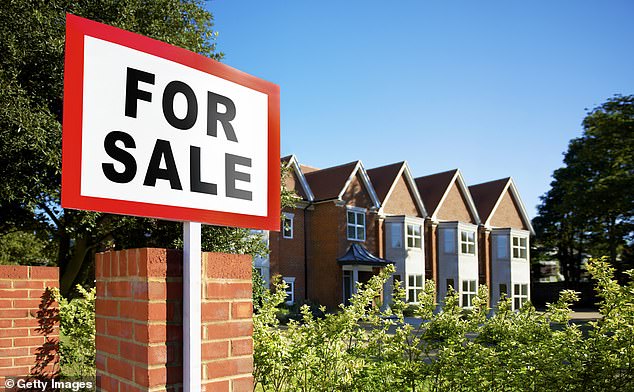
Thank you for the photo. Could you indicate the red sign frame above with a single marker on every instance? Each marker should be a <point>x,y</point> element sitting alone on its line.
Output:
<point>76,29</point>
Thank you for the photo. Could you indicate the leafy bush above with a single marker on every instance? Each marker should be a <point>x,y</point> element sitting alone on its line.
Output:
<point>362,348</point>
<point>77,333</point>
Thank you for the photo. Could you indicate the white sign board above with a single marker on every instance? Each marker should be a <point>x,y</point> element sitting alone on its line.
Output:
<point>154,130</point>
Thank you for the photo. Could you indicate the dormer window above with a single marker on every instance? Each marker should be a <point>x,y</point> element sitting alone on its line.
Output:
<point>356,224</point>
<point>520,248</point>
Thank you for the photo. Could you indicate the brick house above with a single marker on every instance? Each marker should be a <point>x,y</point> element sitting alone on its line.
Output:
<point>401,220</point>
<point>451,234</point>
<point>288,248</point>
<point>345,214</point>
<point>349,223</point>
<point>504,238</point>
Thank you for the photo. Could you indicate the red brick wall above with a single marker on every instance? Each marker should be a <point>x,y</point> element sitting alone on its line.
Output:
<point>21,339</point>
<point>139,321</point>
<point>455,207</point>
<point>484,256</point>
<point>401,200</point>
<point>508,214</point>
<point>292,182</point>
<point>287,254</point>
<point>325,283</point>
<point>431,251</point>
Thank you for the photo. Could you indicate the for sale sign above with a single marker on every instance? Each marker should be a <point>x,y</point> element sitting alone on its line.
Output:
<point>158,131</point>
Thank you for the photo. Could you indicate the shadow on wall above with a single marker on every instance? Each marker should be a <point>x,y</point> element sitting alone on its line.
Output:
<point>47,356</point>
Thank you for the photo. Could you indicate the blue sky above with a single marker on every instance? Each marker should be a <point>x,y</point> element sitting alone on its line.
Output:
<point>495,88</point>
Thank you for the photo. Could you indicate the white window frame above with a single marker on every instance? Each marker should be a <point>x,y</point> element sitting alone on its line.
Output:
<point>520,247</point>
<point>355,225</point>
<point>290,289</point>
<point>413,237</point>
<point>290,218</point>
<point>468,292</point>
<point>520,295</point>
<point>415,286</point>
<point>468,242</point>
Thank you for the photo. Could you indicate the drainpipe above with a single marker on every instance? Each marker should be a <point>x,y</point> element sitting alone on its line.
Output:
<point>306,253</point>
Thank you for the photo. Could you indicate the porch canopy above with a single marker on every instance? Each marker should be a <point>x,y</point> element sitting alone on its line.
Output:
<point>357,254</point>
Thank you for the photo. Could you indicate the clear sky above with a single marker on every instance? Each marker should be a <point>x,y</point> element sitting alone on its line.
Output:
<point>495,88</point>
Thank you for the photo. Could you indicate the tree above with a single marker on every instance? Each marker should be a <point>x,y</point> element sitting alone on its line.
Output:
<point>31,86</point>
<point>589,209</point>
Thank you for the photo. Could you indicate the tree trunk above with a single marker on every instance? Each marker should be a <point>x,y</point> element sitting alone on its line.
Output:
<point>74,264</point>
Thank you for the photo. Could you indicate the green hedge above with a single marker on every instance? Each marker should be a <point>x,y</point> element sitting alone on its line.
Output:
<point>362,348</point>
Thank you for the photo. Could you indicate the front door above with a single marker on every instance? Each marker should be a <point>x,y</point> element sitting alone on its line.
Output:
<point>347,287</point>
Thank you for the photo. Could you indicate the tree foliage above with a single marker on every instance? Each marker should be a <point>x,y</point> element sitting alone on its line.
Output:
<point>32,35</point>
<point>590,207</point>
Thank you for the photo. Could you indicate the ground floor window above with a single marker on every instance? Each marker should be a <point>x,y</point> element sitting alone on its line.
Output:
<point>414,287</point>
<point>520,295</point>
<point>469,291</point>
<point>290,289</point>
<point>504,291</point>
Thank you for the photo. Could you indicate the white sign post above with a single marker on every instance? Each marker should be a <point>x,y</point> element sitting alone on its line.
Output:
<point>191,306</point>
<point>158,131</point>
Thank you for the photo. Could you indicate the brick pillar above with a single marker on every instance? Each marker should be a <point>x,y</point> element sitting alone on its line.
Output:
<point>139,321</point>
<point>27,347</point>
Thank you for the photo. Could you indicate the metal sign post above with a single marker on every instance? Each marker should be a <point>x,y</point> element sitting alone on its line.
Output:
<point>191,306</point>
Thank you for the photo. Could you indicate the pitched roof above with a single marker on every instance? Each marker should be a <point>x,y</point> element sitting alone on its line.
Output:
<point>291,160</point>
<point>327,183</point>
<point>486,195</point>
<point>383,178</point>
<point>433,187</point>
<point>357,254</point>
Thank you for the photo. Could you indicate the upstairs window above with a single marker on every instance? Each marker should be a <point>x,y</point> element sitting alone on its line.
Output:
<point>449,241</point>
<point>414,287</point>
<point>502,247</point>
<point>396,234</point>
<point>520,248</point>
<point>287,225</point>
<point>356,225</point>
<point>414,236</point>
<point>467,242</point>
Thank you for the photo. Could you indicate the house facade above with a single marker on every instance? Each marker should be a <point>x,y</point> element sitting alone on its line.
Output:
<point>452,228</point>
<point>401,220</point>
<point>504,237</point>
<point>350,222</point>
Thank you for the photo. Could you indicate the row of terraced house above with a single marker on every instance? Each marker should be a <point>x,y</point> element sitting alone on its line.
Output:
<point>351,222</point>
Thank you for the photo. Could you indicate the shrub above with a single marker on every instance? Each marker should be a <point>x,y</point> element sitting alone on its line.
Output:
<point>361,348</point>
<point>77,333</point>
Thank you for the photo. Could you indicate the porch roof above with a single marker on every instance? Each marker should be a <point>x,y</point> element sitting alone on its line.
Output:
<point>357,254</point>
